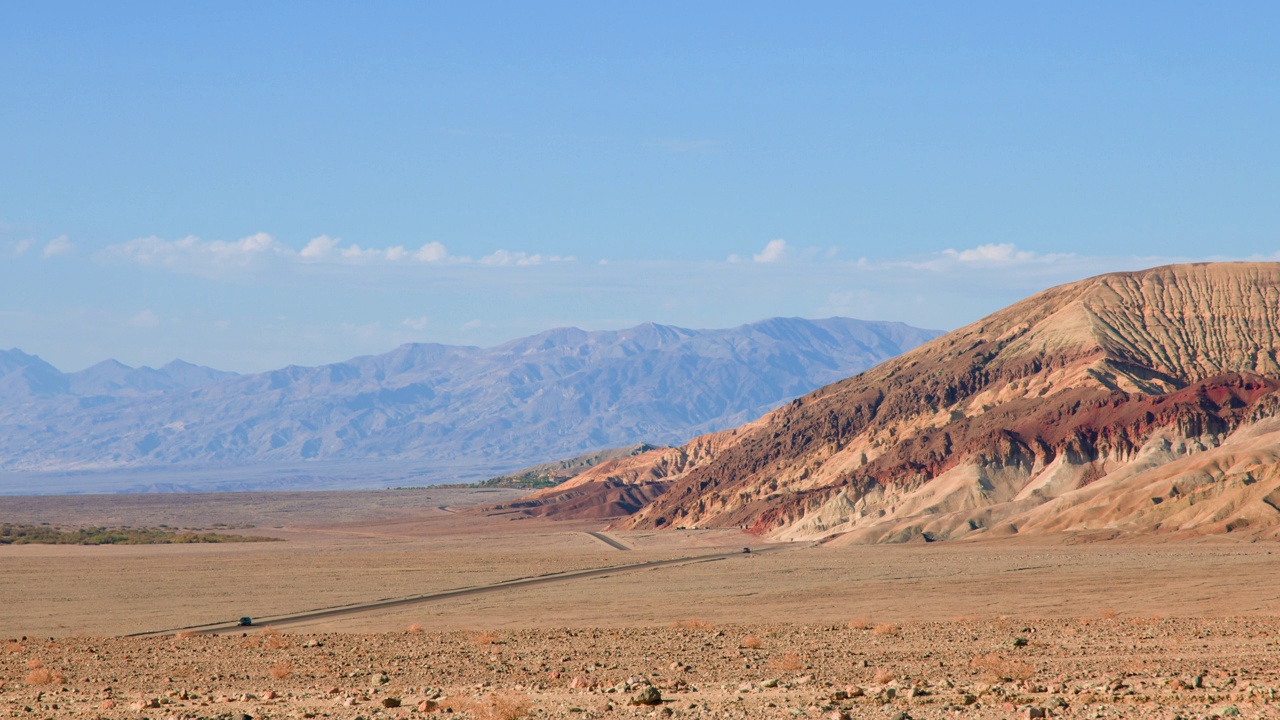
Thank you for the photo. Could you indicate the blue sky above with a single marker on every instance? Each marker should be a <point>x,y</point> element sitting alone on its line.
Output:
<point>247,185</point>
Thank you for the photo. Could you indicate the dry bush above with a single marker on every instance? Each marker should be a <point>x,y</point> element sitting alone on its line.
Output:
<point>505,706</point>
<point>883,675</point>
<point>184,634</point>
<point>13,647</point>
<point>887,629</point>
<point>281,670</point>
<point>252,641</point>
<point>484,638</point>
<point>1108,614</point>
<point>751,642</point>
<point>45,676</point>
<point>788,662</point>
<point>692,624</point>
<point>34,663</point>
<point>862,622</point>
<point>414,629</point>
<point>995,668</point>
<point>273,638</point>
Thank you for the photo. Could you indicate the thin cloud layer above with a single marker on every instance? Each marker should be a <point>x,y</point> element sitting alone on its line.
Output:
<point>57,247</point>
<point>194,254</point>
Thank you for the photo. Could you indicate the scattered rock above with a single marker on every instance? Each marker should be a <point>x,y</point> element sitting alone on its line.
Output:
<point>648,696</point>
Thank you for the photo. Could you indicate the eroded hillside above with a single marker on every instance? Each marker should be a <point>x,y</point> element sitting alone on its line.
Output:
<point>1135,402</point>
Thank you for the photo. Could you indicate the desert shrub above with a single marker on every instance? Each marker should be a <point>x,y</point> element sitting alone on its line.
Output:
<point>788,662</point>
<point>862,622</point>
<point>887,629</point>
<point>184,634</point>
<point>45,676</point>
<point>281,670</point>
<point>13,647</point>
<point>484,638</point>
<point>751,642</point>
<point>497,706</point>
<point>414,629</point>
<point>1108,614</point>
<point>12,534</point>
<point>275,640</point>
<point>692,624</point>
<point>34,663</point>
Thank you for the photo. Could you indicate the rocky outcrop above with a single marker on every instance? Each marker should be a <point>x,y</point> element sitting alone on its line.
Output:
<point>1109,404</point>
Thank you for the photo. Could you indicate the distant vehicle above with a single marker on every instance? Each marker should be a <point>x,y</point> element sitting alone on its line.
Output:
<point>746,551</point>
<point>246,621</point>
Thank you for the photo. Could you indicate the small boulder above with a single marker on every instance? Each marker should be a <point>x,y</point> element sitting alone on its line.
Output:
<point>648,696</point>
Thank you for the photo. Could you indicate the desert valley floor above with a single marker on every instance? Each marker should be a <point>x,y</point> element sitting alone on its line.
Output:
<point>1071,626</point>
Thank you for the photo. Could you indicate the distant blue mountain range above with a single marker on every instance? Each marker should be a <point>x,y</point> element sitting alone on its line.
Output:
<point>545,397</point>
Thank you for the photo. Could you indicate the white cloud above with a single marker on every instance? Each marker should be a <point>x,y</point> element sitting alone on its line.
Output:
<point>431,252</point>
<point>991,255</point>
<point>774,251</point>
<point>1002,253</point>
<point>145,319</point>
<point>418,323</point>
<point>320,247</point>
<point>196,255</point>
<point>57,246</point>
<point>192,251</point>
<point>22,246</point>
<point>507,258</point>
<point>325,248</point>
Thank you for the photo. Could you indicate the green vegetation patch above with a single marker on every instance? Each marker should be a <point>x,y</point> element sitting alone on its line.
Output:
<point>11,534</point>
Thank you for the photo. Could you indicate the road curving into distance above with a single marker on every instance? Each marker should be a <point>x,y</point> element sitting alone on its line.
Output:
<point>278,621</point>
<point>608,541</point>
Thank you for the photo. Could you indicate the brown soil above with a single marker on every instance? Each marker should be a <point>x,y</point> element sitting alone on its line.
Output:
<point>1111,628</point>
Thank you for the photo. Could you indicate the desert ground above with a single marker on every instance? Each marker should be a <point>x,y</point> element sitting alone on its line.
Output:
<point>405,602</point>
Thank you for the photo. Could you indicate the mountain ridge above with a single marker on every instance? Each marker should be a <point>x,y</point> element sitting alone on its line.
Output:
<point>553,394</point>
<point>1085,390</point>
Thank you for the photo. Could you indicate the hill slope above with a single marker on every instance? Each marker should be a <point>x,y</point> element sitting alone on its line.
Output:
<point>1134,402</point>
<point>551,395</point>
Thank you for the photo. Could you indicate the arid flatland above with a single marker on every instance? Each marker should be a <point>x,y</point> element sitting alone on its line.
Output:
<point>1109,624</point>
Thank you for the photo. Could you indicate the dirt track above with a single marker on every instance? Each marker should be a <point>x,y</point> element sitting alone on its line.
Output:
<point>283,621</point>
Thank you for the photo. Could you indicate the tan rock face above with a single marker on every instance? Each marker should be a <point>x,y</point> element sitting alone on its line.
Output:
<point>1131,402</point>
